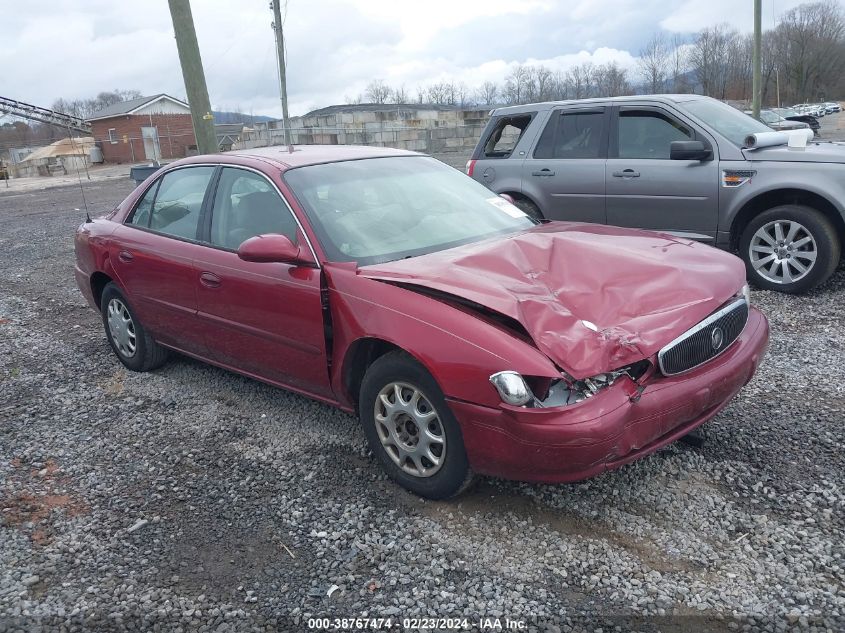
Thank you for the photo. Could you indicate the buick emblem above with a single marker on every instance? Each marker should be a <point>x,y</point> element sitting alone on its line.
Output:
<point>717,338</point>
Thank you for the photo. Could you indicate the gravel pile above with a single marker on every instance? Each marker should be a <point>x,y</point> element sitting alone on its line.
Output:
<point>194,499</point>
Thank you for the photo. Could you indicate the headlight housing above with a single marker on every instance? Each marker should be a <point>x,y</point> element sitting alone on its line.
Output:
<point>512,388</point>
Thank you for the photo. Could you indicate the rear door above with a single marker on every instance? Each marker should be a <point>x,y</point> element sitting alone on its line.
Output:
<point>497,160</point>
<point>153,257</point>
<point>646,189</point>
<point>265,319</point>
<point>565,173</point>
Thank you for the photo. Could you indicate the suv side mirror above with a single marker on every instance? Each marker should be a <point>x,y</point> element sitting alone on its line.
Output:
<point>689,150</point>
<point>269,248</point>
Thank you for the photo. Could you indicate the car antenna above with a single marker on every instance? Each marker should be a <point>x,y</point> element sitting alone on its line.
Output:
<point>79,175</point>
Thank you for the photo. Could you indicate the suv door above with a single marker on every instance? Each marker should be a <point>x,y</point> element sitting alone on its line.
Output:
<point>265,319</point>
<point>646,189</point>
<point>154,252</point>
<point>565,174</point>
<point>497,159</point>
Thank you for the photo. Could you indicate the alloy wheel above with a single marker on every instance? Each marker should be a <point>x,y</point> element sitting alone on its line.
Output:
<point>782,251</point>
<point>409,429</point>
<point>121,328</point>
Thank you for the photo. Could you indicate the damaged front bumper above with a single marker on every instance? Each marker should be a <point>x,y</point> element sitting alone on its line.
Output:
<point>620,425</point>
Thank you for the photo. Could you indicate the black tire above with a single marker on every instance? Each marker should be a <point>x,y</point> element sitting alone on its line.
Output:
<point>454,475</point>
<point>819,227</point>
<point>525,205</point>
<point>148,354</point>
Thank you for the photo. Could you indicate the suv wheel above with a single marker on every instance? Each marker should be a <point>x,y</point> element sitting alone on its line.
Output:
<point>526,206</point>
<point>790,248</point>
<point>411,430</point>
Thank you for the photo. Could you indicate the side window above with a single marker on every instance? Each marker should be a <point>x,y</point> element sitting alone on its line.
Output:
<point>141,216</point>
<point>246,205</point>
<point>648,134</point>
<point>572,134</point>
<point>505,135</point>
<point>176,210</point>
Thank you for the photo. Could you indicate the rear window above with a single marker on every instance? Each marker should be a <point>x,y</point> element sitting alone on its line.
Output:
<point>506,133</point>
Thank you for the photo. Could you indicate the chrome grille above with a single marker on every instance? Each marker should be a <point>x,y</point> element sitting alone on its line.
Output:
<point>705,341</point>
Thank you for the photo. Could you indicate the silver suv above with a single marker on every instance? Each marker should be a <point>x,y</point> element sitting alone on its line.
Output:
<point>678,164</point>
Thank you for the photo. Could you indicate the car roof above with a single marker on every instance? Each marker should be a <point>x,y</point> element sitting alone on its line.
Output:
<point>302,155</point>
<point>547,105</point>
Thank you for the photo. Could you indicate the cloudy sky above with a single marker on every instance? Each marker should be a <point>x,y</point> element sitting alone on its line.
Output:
<point>76,48</point>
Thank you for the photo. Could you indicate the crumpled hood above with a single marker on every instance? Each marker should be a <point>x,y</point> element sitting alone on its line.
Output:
<point>638,288</point>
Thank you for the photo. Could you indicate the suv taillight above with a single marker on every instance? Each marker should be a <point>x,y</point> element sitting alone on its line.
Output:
<point>470,167</point>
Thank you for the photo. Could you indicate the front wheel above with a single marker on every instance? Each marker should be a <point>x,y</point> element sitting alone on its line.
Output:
<point>411,430</point>
<point>790,248</point>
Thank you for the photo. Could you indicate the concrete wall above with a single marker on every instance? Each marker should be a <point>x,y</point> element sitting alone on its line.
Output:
<point>422,130</point>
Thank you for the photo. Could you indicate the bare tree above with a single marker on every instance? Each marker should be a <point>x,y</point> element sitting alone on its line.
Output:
<point>579,81</point>
<point>377,91</point>
<point>610,80</point>
<point>399,95</point>
<point>653,63</point>
<point>84,108</point>
<point>487,93</point>
<point>516,84</point>
<point>679,63</point>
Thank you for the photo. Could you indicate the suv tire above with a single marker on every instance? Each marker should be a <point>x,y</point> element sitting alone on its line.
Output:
<point>790,248</point>
<point>525,205</point>
<point>403,412</point>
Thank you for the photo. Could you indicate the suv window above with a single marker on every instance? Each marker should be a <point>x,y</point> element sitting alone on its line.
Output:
<point>176,210</point>
<point>648,134</point>
<point>246,205</point>
<point>572,134</point>
<point>506,134</point>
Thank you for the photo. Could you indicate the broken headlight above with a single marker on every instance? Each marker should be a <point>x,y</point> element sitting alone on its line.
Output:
<point>531,391</point>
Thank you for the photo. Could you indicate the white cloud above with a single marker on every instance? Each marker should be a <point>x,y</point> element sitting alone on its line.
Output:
<point>335,47</point>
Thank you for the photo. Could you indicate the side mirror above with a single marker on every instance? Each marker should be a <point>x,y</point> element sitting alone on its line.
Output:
<point>269,248</point>
<point>689,150</point>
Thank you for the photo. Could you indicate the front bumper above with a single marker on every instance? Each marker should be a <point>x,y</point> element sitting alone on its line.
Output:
<point>611,429</point>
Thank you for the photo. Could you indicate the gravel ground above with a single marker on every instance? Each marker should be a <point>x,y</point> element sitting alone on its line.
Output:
<point>194,499</point>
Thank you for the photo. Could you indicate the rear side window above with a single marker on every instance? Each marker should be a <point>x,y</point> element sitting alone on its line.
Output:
<point>506,134</point>
<point>649,134</point>
<point>573,135</point>
<point>176,210</point>
<point>141,217</point>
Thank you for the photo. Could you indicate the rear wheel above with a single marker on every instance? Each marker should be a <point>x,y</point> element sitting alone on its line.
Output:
<point>411,430</point>
<point>790,248</point>
<point>529,208</point>
<point>131,343</point>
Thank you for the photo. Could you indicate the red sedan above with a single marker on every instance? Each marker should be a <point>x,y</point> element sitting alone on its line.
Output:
<point>467,337</point>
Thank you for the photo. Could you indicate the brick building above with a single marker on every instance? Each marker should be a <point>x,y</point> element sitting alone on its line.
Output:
<point>144,129</point>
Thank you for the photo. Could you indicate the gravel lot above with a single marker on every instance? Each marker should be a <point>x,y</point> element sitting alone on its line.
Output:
<point>193,499</point>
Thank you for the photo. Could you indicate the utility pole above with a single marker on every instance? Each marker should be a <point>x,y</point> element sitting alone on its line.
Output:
<point>280,51</point>
<point>756,88</point>
<point>192,73</point>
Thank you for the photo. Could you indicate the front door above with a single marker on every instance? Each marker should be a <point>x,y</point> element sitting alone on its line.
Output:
<point>265,319</point>
<point>151,147</point>
<point>646,189</point>
<point>564,174</point>
<point>154,257</point>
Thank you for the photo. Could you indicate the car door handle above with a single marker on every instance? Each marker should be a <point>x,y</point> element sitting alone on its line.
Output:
<point>125,256</point>
<point>543,172</point>
<point>626,173</point>
<point>210,280</point>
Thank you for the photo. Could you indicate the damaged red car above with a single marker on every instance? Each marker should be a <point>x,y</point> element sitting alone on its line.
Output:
<point>467,337</point>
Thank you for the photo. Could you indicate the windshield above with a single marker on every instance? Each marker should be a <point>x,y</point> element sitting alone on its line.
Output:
<point>785,112</point>
<point>767,116</point>
<point>727,121</point>
<point>382,209</point>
